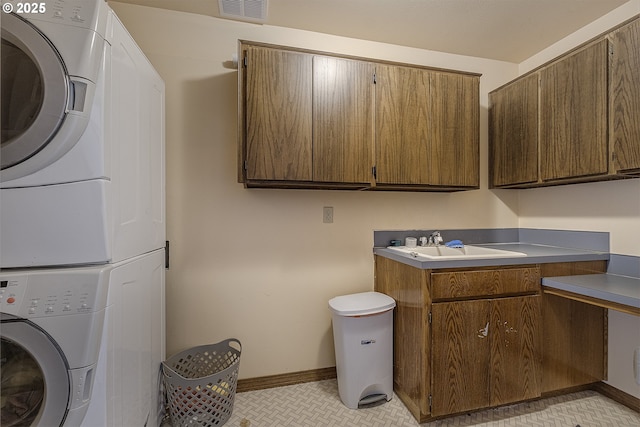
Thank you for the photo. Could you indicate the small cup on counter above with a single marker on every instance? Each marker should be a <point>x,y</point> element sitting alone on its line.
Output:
<point>410,242</point>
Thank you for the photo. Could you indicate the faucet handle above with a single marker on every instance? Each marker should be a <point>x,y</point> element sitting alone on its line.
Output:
<point>435,238</point>
<point>423,241</point>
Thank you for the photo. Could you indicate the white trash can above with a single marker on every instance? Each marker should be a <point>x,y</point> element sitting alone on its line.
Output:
<point>363,338</point>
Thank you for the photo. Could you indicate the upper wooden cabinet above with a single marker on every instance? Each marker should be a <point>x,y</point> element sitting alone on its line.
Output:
<point>342,120</point>
<point>574,119</point>
<point>278,127</point>
<point>402,125</point>
<point>573,115</point>
<point>513,131</point>
<point>427,127</point>
<point>625,98</point>
<point>313,120</point>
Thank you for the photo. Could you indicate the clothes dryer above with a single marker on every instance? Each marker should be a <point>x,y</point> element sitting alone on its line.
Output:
<point>83,346</point>
<point>82,150</point>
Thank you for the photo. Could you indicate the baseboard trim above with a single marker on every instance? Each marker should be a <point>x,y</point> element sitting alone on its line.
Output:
<point>604,389</point>
<point>270,381</point>
<point>619,396</point>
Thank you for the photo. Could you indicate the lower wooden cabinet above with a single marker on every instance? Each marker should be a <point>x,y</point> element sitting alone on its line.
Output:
<point>484,353</point>
<point>468,339</point>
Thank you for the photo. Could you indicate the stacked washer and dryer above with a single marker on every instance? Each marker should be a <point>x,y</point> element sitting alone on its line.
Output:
<point>82,220</point>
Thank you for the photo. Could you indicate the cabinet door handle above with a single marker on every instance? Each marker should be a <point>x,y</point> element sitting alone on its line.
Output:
<point>482,333</point>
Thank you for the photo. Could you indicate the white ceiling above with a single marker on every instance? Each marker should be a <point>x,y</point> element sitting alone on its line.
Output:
<point>507,30</point>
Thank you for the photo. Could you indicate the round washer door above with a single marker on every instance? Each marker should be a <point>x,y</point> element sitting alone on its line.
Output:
<point>44,111</point>
<point>35,91</point>
<point>35,380</point>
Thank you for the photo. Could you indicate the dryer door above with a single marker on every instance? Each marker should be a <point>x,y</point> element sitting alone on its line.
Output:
<point>37,97</point>
<point>35,379</point>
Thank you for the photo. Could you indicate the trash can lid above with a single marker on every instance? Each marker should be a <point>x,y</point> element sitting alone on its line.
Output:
<point>361,304</point>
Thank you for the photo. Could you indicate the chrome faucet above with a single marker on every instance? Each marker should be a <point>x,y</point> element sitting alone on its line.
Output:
<point>435,239</point>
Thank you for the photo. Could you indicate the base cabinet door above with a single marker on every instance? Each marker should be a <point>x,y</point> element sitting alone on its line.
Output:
<point>460,356</point>
<point>516,354</point>
<point>485,353</point>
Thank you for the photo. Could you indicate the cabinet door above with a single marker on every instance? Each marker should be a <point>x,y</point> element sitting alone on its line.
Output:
<point>342,120</point>
<point>573,103</point>
<point>278,115</point>
<point>454,131</point>
<point>402,125</point>
<point>427,127</point>
<point>460,356</point>
<point>513,133</point>
<point>625,97</point>
<point>516,358</point>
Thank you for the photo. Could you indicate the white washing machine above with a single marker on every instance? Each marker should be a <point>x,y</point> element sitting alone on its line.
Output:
<point>82,149</point>
<point>83,346</point>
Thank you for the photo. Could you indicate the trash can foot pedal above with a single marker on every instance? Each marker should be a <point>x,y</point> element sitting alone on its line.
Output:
<point>371,400</point>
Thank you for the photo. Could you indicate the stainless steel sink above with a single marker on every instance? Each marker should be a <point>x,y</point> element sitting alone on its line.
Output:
<point>446,253</point>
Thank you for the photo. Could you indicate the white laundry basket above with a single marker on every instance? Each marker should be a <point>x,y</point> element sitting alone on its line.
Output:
<point>363,338</point>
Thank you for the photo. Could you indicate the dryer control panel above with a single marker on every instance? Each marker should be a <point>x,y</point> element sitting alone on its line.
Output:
<point>43,294</point>
<point>77,13</point>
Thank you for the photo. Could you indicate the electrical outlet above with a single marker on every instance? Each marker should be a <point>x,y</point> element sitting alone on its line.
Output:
<point>327,214</point>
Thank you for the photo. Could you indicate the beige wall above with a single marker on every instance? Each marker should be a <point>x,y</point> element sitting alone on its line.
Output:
<point>260,265</point>
<point>604,206</point>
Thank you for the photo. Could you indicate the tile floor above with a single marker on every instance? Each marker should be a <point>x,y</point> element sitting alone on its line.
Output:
<point>317,404</point>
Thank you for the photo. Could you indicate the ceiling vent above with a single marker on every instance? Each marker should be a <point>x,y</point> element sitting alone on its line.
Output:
<point>244,10</point>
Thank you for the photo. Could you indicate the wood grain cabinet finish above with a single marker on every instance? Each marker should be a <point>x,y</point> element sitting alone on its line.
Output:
<point>575,334</point>
<point>484,353</point>
<point>402,125</point>
<point>313,120</point>
<point>575,119</point>
<point>513,132</point>
<point>625,98</point>
<point>427,128</point>
<point>464,339</point>
<point>342,120</point>
<point>573,112</point>
<point>472,338</point>
<point>278,115</point>
<point>486,343</point>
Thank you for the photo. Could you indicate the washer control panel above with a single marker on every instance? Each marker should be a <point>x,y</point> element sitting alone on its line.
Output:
<point>77,13</point>
<point>37,294</point>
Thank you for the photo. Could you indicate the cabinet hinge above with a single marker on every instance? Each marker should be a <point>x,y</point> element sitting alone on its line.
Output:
<point>429,317</point>
<point>374,172</point>
<point>374,78</point>
<point>245,165</point>
<point>430,401</point>
<point>245,61</point>
<point>610,48</point>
